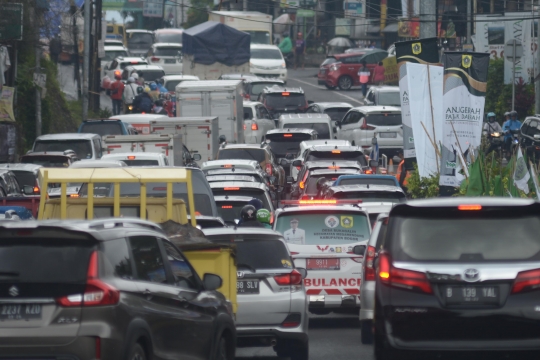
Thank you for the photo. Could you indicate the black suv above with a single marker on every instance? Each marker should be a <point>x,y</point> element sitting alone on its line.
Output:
<point>530,136</point>
<point>106,289</point>
<point>281,100</point>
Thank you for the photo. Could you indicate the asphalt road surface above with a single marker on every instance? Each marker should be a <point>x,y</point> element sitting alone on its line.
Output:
<point>331,337</point>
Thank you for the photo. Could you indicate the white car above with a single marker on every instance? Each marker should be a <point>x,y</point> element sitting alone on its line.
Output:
<point>139,158</point>
<point>168,35</point>
<point>257,122</point>
<point>267,61</point>
<point>170,81</point>
<point>114,42</point>
<point>304,145</point>
<point>166,55</point>
<point>111,53</point>
<point>120,63</point>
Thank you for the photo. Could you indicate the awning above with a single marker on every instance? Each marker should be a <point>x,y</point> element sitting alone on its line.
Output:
<point>391,28</point>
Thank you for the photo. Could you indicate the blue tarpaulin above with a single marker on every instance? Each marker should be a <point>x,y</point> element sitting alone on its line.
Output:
<point>212,42</point>
<point>22,212</point>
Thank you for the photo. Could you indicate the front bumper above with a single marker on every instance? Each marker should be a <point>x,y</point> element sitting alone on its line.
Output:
<point>279,73</point>
<point>331,80</point>
<point>333,301</point>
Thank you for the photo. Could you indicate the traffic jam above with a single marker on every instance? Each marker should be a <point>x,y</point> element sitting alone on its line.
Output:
<point>234,212</point>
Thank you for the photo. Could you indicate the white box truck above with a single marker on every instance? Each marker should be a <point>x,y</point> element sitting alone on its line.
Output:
<point>200,134</point>
<point>210,72</point>
<point>218,98</point>
<point>255,23</point>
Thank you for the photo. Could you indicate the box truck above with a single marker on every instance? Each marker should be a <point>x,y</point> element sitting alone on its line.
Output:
<point>255,23</point>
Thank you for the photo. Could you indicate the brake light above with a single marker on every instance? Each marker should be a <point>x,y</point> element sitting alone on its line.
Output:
<point>226,206</point>
<point>293,278</point>
<point>96,293</point>
<point>527,281</point>
<point>131,157</point>
<point>336,151</point>
<point>369,271</point>
<point>333,167</point>
<point>301,184</point>
<point>36,189</point>
<point>134,62</point>
<point>364,125</point>
<point>357,259</point>
<point>405,279</point>
<point>74,195</point>
<point>292,320</point>
<point>285,94</point>
<point>269,169</point>
<point>470,207</point>
<point>298,168</point>
<point>154,59</point>
<point>287,135</point>
<point>254,126</point>
<point>227,166</point>
<point>231,188</point>
<point>244,126</point>
<point>369,172</point>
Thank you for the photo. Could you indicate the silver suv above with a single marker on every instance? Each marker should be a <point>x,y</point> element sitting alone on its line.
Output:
<point>272,304</point>
<point>106,289</point>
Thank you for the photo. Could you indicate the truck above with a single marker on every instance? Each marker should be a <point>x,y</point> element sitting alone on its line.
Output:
<point>214,98</point>
<point>212,49</point>
<point>200,134</point>
<point>257,24</point>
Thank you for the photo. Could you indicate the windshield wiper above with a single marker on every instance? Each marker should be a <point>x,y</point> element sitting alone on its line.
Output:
<point>247,267</point>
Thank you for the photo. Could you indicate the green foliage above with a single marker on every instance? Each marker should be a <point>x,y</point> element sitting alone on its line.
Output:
<point>197,13</point>
<point>421,188</point>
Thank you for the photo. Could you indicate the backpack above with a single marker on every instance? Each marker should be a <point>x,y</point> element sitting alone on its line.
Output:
<point>146,104</point>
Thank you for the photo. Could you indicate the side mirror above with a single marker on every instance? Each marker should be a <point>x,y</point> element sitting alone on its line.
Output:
<point>373,163</point>
<point>28,190</point>
<point>359,250</point>
<point>197,157</point>
<point>283,162</point>
<point>303,272</point>
<point>334,129</point>
<point>289,180</point>
<point>297,163</point>
<point>212,282</point>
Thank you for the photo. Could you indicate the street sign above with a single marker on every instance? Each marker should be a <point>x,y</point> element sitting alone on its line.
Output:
<point>509,49</point>
<point>303,13</point>
<point>11,21</point>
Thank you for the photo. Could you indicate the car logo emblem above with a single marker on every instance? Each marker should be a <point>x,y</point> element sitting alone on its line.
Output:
<point>239,274</point>
<point>471,275</point>
<point>13,291</point>
<point>323,248</point>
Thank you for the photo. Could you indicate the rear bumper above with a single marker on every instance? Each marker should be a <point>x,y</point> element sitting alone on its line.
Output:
<point>279,73</point>
<point>333,301</point>
<point>367,300</point>
<point>247,336</point>
<point>491,345</point>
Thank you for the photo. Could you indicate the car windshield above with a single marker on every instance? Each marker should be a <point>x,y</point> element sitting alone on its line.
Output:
<point>163,37</point>
<point>479,237</point>
<point>336,114</point>
<point>140,40</point>
<point>46,160</point>
<point>384,119</point>
<point>281,144</point>
<point>278,101</point>
<point>242,154</point>
<point>141,162</point>
<point>25,178</point>
<point>110,55</point>
<point>322,128</point>
<point>389,98</point>
<point>257,88</point>
<point>266,54</point>
<point>168,51</point>
<point>171,84</point>
<point>230,210</point>
<point>324,227</point>
<point>259,37</point>
<point>368,180</point>
<point>372,196</point>
<point>151,75</point>
<point>238,191</point>
<point>102,128</point>
<point>83,148</point>
<point>343,155</point>
<point>329,61</point>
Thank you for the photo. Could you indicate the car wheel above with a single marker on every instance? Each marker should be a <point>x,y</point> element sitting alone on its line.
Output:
<point>137,353</point>
<point>345,82</point>
<point>222,349</point>
<point>329,87</point>
<point>366,326</point>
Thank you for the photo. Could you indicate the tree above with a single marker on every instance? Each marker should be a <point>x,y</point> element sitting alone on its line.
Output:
<point>197,13</point>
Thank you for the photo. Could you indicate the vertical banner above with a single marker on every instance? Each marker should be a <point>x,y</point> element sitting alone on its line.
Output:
<point>422,51</point>
<point>464,90</point>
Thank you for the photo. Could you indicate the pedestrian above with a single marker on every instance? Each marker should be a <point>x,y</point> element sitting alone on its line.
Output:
<point>378,74</point>
<point>129,94</point>
<point>402,174</point>
<point>299,51</point>
<point>286,47</point>
<point>364,77</point>
<point>117,93</point>
<point>154,92</point>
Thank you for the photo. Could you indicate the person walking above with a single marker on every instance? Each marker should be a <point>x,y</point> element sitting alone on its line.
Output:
<point>299,51</point>
<point>130,91</point>
<point>117,93</point>
<point>378,74</point>
<point>364,77</point>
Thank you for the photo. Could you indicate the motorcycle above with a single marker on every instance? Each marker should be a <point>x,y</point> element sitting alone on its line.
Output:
<point>514,144</point>
<point>496,141</point>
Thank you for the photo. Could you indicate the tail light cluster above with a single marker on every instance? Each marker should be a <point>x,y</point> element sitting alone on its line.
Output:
<point>405,279</point>
<point>369,270</point>
<point>269,169</point>
<point>527,281</point>
<point>254,126</point>
<point>292,320</point>
<point>293,278</point>
<point>154,59</point>
<point>364,125</point>
<point>96,293</point>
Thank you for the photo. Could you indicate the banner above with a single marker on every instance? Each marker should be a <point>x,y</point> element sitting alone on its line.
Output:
<point>521,173</point>
<point>425,102</point>
<point>464,90</point>
<point>6,104</point>
<point>420,51</point>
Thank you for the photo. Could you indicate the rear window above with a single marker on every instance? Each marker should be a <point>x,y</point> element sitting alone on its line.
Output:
<point>384,119</point>
<point>323,130</point>
<point>255,254</point>
<point>169,38</point>
<point>25,178</point>
<point>110,55</point>
<point>83,148</point>
<point>270,54</point>
<point>258,194</point>
<point>141,162</point>
<point>242,154</point>
<point>372,196</point>
<point>311,186</point>
<point>336,114</point>
<point>282,145</point>
<point>140,40</point>
<point>151,75</point>
<point>324,228</point>
<point>370,181</point>
<point>168,51</point>
<point>278,101</point>
<point>230,210</point>
<point>171,84</point>
<point>102,128</point>
<point>46,161</point>
<point>389,98</point>
<point>345,155</point>
<point>480,237</point>
<point>257,88</point>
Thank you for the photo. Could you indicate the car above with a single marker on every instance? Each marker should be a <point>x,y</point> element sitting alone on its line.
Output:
<point>334,153</point>
<point>260,153</point>
<point>113,42</point>
<point>113,52</point>
<point>85,146</point>
<point>281,100</point>
<point>324,68</point>
<point>267,61</point>
<point>329,241</point>
<point>26,176</point>
<point>449,259</point>
<point>367,287</point>
<point>530,136</point>
<point>139,158</point>
<point>166,55</point>
<point>285,144</point>
<point>50,158</point>
<point>141,122</point>
<point>168,35</point>
<point>256,175</point>
<point>361,124</point>
<point>312,185</point>
<point>367,193</point>
<point>257,122</point>
<point>367,179</point>
<point>9,186</point>
<point>253,86</point>
<point>107,283</point>
<point>105,127</point>
<point>117,65</point>
<point>335,110</point>
<point>139,41</point>
<point>382,96</point>
<point>318,122</point>
<point>272,305</point>
<point>149,73</point>
<point>170,81</point>
<point>229,207</point>
<point>344,72</point>
<point>304,145</point>
<point>243,188</point>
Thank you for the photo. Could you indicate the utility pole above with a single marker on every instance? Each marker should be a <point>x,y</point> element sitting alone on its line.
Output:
<point>245,5</point>
<point>469,19</point>
<point>38,71</point>
<point>86,63</point>
<point>428,19</point>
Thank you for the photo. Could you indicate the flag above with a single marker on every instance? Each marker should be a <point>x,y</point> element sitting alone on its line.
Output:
<point>374,155</point>
<point>534,177</point>
<point>521,173</point>
<point>498,188</point>
<point>477,180</point>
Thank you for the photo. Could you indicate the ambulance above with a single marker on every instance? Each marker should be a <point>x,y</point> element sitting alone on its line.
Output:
<point>328,238</point>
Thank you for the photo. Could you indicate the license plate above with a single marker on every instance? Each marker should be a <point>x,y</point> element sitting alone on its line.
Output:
<point>478,295</point>
<point>170,61</point>
<point>20,311</point>
<point>388,135</point>
<point>247,287</point>
<point>322,264</point>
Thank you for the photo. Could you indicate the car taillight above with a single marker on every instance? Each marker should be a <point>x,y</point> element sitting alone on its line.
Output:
<point>301,184</point>
<point>293,278</point>
<point>405,279</point>
<point>268,168</point>
<point>364,125</point>
<point>527,281</point>
<point>96,293</point>
<point>298,168</point>
<point>292,320</point>
<point>357,259</point>
<point>254,126</point>
<point>369,172</point>
<point>369,271</point>
<point>245,127</point>
<point>154,59</point>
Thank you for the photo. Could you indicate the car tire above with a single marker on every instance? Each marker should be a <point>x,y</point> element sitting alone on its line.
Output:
<point>329,87</point>
<point>384,351</point>
<point>366,327</point>
<point>137,352</point>
<point>223,349</point>
<point>345,82</point>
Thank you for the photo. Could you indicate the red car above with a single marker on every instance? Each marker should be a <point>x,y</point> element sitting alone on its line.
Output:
<point>344,72</point>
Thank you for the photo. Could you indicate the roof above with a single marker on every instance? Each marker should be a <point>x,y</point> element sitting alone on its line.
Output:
<point>337,172</point>
<point>169,30</point>
<point>220,164</point>
<point>97,164</point>
<point>166,44</point>
<point>67,153</point>
<point>264,46</point>
<point>327,105</point>
<point>137,155</point>
<point>484,201</point>
<point>243,146</point>
<point>209,83</point>
<point>263,79</point>
<point>241,231</point>
<point>237,76</point>
<point>377,108</point>
<point>230,177</point>
<point>238,184</point>
<point>327,163</point>
<point>291,130</point>
<point>67,136</point>
<point>310,143</point>
<point>180,77</point>
<point>145,67</point>
<point>311,116</point>
<point>133,118</point>
<point>126,174</point>
<point>130,58</point>
<point>279,89</point>
<point>114,48</point>
<point>304,208</point>
<point>139,31</point>
<point>20,167</point>
<point>344,148</point>
<point>235,171</point>
<point>386,88</point>
<point>370,187</point>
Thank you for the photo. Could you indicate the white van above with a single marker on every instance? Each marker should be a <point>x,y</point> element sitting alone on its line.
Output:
<point>318,122</point>
<point>86,146</point>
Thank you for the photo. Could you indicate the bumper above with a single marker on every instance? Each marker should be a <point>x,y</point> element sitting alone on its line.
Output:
<point>331,81</point>
<point>252,136</point>
<point>464,345</point>
<point>279,73</point>
<point>367,300</point>
<point>333,301</point>
<point>250,336</point>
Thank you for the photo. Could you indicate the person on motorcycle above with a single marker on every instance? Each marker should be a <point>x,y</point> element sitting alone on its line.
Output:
<point>286,46</point>
<point>158,108</point>
<point>513,124</point>
<point>130,92</point>
<point>162,89</point>
<point>143,102</point>
<point>264,217</point>
<point>248,215</point>
<point>117,92</point>
<point>492,126</point>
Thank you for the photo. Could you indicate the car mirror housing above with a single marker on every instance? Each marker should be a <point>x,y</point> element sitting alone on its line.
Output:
<point>197,157</point>
<point>297,163</point>
<point>212,282</point>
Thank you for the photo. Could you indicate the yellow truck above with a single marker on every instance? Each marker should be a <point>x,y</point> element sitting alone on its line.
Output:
<point>210,259</point>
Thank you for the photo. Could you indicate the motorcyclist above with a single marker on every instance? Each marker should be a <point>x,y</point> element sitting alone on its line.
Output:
<point>492,126</point>
<point>512,124</point>
<point>130,92</point>
<point>286,46</point>
<point>264,217</point>
<point>154,91</point>
<point>248,215</point>
<point>143,102</point>
<point>162,89</point>
<point>158,108</point>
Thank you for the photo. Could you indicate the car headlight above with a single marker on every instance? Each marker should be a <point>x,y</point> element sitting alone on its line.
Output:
<point>283,66</point>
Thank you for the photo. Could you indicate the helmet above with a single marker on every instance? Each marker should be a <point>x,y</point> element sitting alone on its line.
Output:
<point>117,75</point>
<point>248,213</point>
<point>320,182</point>
<point>135,76</point>
<point>507,113</point>
<point>153,86</point>
<point>139,90</point>
<point>258,204</point>
<point>264,216</point>
<point>513,113</point>
<point>131,80</point>
<point>146,89</point>
<point>491,114</point>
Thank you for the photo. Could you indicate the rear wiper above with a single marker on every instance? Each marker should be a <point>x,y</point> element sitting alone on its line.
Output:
<point>246,266</point>
<point>9,273</point>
